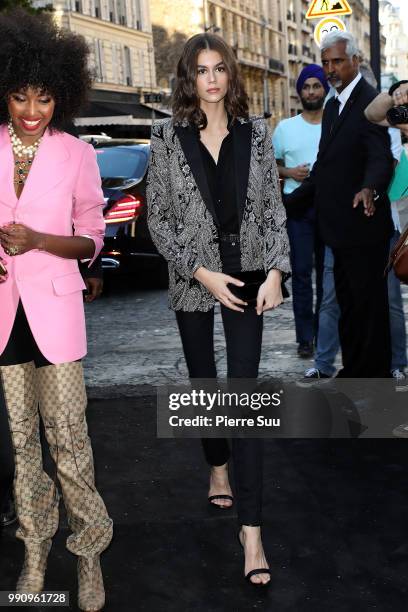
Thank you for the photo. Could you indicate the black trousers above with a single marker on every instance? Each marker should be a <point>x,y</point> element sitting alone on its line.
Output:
<point>362,294</point>
<point>6,456</point>
<point>21,348</point>
<point>243,335</point>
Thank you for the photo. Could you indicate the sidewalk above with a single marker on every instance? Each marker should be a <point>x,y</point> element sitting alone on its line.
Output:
<point>134,345</point>
<point>334,525</point>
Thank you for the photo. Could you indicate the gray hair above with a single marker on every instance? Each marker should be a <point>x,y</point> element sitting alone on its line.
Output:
<point>333,38</point>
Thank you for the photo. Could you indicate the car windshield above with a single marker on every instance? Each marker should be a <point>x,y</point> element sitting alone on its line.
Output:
<point>121,162</point>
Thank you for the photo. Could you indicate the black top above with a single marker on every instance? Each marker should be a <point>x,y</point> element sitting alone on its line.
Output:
<point>221,182</point>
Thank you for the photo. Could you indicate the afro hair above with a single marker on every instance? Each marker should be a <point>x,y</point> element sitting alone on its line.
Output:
<point>35,52</point>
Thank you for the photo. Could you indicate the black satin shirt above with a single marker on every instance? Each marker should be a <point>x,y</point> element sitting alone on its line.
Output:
<point>221,182</point>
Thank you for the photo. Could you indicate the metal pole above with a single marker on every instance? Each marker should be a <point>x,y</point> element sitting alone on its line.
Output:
<point>375,42</point>
<point>265,72</point>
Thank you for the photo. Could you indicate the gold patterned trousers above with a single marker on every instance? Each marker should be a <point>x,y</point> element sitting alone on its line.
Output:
<point>58,393</point>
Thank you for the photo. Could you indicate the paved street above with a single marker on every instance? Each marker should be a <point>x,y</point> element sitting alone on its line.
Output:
<point>134,343</point>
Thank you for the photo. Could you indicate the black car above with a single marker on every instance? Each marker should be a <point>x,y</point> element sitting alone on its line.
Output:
<point>128,245</point>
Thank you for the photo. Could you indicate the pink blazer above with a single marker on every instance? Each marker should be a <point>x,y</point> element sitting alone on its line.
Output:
<point>62,192</point>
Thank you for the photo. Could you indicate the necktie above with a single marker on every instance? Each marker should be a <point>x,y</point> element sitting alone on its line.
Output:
<point>335,113</point>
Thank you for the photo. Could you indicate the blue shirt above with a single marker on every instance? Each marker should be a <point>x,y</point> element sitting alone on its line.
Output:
<point>296,142</point>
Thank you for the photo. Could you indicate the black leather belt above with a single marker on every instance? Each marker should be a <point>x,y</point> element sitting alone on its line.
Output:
<point>233,239</point>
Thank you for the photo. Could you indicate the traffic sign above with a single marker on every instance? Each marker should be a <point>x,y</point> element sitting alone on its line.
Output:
<point>324,8</point>
<point>326,26</point>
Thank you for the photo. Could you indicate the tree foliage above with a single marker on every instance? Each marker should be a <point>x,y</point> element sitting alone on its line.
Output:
<point>7,5</point>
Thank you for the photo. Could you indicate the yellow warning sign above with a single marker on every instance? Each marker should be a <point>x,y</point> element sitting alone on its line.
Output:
<point>326,26</point>
<point>325,8</point>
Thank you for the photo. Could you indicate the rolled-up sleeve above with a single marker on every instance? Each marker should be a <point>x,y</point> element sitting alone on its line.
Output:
<point>88,202</point>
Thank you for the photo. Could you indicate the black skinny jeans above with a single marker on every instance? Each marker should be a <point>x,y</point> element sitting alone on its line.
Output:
<point>243,335</point>
<point>6,455</point>
<point>21,348</point>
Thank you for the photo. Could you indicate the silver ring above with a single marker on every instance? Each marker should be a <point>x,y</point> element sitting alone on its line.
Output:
<point>13,250</point>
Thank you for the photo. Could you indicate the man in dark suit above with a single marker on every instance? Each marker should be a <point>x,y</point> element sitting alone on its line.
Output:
<point>348,185</point>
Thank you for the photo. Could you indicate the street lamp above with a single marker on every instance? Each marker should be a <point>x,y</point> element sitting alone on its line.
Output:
<point>375,43</point>
<point>265,73</point>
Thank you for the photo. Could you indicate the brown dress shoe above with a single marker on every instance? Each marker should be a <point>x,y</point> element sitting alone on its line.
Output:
<point>91,593</point>
<point>31,579</point>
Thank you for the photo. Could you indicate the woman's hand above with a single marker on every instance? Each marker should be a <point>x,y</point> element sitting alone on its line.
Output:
<point>17,239</point>
<point>94,288</point>
<point>3,271</point>
<point>216,283</point>
<point>270,292</point>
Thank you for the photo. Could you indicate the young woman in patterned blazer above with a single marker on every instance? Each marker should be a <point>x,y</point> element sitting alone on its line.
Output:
<point>215,210</point>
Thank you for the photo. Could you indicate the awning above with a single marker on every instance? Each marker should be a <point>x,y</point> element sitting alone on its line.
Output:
<point>119,113</point>
<point>113,120</point>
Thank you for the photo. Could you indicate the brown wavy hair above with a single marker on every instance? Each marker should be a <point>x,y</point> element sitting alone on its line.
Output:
<point>185,102</point>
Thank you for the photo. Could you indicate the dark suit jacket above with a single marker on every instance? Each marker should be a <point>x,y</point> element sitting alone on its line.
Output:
<point>353,153</point>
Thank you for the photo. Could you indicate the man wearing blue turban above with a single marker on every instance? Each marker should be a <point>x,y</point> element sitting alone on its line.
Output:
<point>296,142</point>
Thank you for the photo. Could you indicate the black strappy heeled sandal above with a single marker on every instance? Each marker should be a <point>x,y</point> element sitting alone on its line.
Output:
<point>254,572</point>
<point>212,497</point>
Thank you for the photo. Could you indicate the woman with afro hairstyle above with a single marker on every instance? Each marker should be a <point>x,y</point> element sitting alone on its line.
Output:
<point>50,216</point>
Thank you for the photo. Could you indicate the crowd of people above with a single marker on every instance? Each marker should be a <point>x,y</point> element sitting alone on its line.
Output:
<point>351,154</point>
<point>217,215</point>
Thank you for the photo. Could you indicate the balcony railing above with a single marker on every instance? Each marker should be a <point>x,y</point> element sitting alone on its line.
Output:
<point>306,51</point>
<point>276,65</point>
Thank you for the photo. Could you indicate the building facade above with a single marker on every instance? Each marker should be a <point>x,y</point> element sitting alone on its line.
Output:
<point>359,25</point>
<point>395,29</point>
<point>135,45</point>
<point>255,30</point>
<point>119,35</point>
<point>302,49</point>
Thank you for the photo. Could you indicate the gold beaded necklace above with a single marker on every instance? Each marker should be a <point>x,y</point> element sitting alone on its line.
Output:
<point>24,154</point>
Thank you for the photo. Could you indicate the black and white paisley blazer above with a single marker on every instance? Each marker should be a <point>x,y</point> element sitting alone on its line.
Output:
<point>181,213</point>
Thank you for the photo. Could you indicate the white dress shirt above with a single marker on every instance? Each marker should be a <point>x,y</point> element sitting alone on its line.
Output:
<point>346,93</point>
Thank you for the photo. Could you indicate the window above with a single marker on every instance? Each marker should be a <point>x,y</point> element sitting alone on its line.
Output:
<point>112,11</point>
<point>122,12</point>
<point>99,59</point>
<point>98,13</point>
<point>137,15</point>
<point>115,63</point>
<point>128,66</point>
